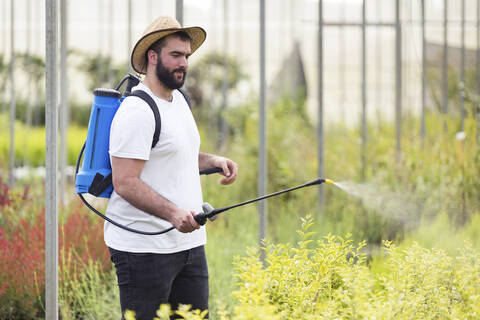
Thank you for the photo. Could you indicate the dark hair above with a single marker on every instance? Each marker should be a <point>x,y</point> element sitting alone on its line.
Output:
<point>159,44</point>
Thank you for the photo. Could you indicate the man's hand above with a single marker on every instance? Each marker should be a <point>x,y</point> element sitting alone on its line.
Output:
<point>184,221</point>
<point>229,169</point>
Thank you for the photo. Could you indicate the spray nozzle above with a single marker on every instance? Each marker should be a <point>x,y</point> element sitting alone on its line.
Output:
<point>329,181</point>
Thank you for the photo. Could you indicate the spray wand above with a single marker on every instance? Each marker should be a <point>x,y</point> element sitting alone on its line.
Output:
<point>211,213</point>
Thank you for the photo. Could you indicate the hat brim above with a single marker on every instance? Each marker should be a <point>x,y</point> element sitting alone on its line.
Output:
<point>197,35</point>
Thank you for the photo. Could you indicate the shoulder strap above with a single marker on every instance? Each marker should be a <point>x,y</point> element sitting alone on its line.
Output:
<point>158,122</point>
<point>186,96</point>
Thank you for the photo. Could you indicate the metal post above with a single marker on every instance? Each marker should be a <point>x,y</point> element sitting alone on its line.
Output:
<point>239,40</point>
<point>342,71</point>
<point>320,146</point>
<point>462,68</point>
<point>477,63</point>
<point>150,10</point>
<point>5,49</point>
<point>222,134</point>
<point>398,80</point>
<point>111,27</point>
<point>262,169</point>
<point>179,11</point>
<point>129,34</point>
<point>445,60</point>
<point>364,96</point>
<point>11,174</point>
<point>64,108</point>
<point>28,110</point>
<point>51,124</point>
<point>99,34</point>
<point>378,61</point>
<point>424,78</point>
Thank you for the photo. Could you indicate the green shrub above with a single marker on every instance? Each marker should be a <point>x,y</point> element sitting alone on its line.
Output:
<point>331,279</point>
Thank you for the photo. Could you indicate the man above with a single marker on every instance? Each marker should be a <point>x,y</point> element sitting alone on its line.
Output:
<point>157,187</point>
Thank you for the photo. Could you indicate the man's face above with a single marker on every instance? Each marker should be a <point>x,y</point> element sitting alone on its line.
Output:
<point>172,64</point>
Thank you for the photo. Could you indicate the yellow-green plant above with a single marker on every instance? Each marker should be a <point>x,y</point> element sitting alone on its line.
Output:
<point>164,312</point>
<point>331,279</point>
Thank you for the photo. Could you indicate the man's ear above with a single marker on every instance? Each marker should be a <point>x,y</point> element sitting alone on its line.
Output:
<point>152,57</point>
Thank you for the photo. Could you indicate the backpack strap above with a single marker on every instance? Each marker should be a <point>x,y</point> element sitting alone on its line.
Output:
<point>158,122</point>
<point>186,96</point>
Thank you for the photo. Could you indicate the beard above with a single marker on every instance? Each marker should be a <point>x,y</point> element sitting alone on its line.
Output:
<point>168,77</point>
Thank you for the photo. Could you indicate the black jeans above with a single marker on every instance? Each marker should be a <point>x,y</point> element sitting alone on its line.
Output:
<point>147,280</point>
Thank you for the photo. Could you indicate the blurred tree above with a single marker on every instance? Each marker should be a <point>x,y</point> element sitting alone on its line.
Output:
<point>205,82</point>
<point>33,66</point>
<point>434,78</point>
<point>100,70</point>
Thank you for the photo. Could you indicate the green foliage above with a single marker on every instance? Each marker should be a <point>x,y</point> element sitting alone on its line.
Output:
<point>86,290</point>
<point>455,88</point>
<point>330,279</point>
<point>100,70</point>
<point>30,143</point>
<point>207,77</point>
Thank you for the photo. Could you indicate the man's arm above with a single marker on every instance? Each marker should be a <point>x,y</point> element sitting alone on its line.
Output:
<point>229,168</point>
<point>127,184</point>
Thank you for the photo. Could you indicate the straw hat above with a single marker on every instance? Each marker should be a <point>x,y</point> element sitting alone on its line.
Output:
<point>161,27</point>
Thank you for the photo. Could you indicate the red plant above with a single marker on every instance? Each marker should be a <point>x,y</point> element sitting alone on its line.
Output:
<point>22,257</point>
<point>84,237</point>
<point>4,194</point>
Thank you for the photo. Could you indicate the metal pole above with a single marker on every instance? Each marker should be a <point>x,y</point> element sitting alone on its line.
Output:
<point>150,10</point>
<point>221,118</point>
<point>364,96</point>
<point>378,62</point>
<point>51,124</point>
<point>129,34</point>
<point>343,61</point>
<point>4,44</point>
<point>262,169</point>
<point>424,78</point>
<point>462,68</point>
<point>444,66</point>
<point>320,143</point>
<point>99,34</point>
<point>28,110</point>
<point>179,11</point>
<point>11,174</point>
<point>64,108</point>
<point>111,27</point>
<point>477,63</point>
<point>398,80</point>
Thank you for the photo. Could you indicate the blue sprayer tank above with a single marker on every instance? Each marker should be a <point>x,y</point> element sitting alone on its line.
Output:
<point>96,167</point>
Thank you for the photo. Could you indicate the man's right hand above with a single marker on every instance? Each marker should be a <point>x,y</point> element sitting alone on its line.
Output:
<point>184,221</point>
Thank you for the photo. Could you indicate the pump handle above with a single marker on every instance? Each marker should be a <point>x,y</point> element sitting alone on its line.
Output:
<point>131,82</point>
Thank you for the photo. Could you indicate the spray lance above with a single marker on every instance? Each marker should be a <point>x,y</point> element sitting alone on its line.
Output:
<point>210,213</point>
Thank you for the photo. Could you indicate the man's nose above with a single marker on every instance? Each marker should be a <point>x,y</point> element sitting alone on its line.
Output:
<point>183,62</point>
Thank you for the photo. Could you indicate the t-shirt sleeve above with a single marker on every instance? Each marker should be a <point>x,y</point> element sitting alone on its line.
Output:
<point>131,133</point>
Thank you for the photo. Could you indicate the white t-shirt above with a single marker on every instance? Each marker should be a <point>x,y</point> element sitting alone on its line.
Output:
<point>171,169</point>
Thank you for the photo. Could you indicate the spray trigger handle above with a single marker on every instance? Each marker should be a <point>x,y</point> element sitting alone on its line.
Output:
<point>207,209</point>
<point>202,217</point>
